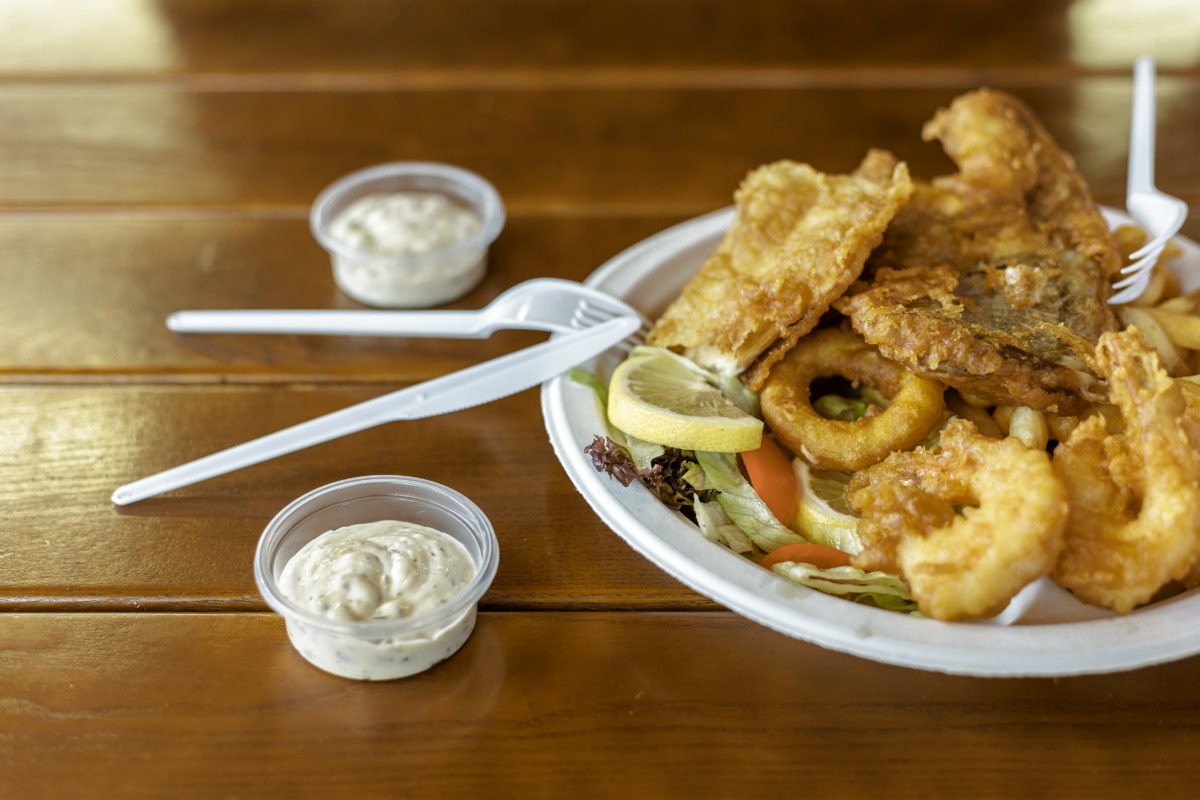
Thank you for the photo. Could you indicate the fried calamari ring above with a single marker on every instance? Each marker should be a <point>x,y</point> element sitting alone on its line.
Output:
<point>915,404</point>
<point>964,565</point>
<point>1135,496</point>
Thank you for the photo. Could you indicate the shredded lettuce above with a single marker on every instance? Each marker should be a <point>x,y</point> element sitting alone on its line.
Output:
<point>589,379</point>
<point>848,409</point>
<point>643,452</point>
<point>697,478</point>
<point>876,588</point>
<point>716,526</point>
<point>742,503</point>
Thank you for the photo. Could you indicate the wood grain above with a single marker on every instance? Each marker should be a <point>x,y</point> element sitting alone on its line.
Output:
<point>66,546</point>
<point>86,298</point>
<point>177,37</point>
<point>560,704</point>
<point>659,151</point>
<point>123,277</point>
<point>163,155</point>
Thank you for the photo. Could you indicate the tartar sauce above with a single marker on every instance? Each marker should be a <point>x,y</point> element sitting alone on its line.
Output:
<point>379,571</point>
<point>407,225</point>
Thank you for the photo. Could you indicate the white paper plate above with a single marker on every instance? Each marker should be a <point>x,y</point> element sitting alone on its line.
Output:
<point>1044,631</point>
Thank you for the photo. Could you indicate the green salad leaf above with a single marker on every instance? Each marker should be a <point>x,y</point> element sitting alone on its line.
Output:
<point>742,503</point>
<point>589,379</point>
<point>876,588</point>
<point>716,526</point>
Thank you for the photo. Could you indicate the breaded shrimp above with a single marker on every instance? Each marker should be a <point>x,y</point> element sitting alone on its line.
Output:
<point>1135,497</point>
<point>964,565</point>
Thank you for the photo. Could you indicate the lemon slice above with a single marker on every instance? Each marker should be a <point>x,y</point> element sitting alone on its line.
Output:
<point>822,515</point>
<point>663,398</point>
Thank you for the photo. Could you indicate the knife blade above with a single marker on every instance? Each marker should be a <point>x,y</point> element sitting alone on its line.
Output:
<point>475,385</point>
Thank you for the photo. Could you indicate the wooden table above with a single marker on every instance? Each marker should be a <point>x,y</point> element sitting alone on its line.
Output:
<point>163,155</point>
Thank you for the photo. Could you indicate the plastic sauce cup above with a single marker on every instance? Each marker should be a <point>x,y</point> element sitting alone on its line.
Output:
<point>409,279</point>
<point>387,648</point>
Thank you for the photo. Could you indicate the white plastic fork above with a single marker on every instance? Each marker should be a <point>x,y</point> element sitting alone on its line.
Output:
<point>543,304</point>
<point>1159,214</point>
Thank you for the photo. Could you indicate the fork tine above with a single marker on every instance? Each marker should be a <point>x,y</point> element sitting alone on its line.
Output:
<point>1146,262</point>
<point>592,312</point>
<point>1133,291</point>
<point>588,314</point>
<point>587,317</point>
<point>1154,247</point>
<point>1135,270</point>
<point>1166,233</point>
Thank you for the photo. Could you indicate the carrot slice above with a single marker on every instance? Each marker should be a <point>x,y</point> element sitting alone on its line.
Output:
<point>771,474</point>
<point>819,555</point>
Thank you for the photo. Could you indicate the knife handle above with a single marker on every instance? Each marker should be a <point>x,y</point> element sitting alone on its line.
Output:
<point>322,429</point>
<point>334,322</point>
<point>479,383</point>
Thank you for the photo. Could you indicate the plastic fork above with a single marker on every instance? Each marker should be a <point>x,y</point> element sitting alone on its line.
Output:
<point>1159,214</point>
<point>543,304</point>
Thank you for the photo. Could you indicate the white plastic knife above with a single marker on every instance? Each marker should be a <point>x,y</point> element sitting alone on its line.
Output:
<point>475,385</point>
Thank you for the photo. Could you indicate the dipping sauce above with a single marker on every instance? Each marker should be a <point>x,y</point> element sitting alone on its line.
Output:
<point>409,245</point>
<point>404,222</point>
<point>378,571</point>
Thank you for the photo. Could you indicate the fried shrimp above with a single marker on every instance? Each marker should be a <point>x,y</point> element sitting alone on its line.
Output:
<point>914,406</point>
<point>1135,497</point>
<point>964,565</point>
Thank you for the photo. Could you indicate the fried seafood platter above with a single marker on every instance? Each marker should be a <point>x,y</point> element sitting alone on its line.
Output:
<point>942,406</point>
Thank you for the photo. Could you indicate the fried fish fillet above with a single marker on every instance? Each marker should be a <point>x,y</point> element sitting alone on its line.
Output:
<point>800,238</point>
<point>995,280</point>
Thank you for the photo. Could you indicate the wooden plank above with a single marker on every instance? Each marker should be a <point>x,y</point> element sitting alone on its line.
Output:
<point>85,299</point>
<point>124,276</point>
<point>663,152</point>
<point>65,546</point>
<point>557,705</point>
<point>372,36</point>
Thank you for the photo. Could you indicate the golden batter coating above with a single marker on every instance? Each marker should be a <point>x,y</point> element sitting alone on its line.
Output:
<point>964,564</point>
<point>915,405</point>
<point>995,279</point>
<point>800,239</point>
<point>1135,497</point>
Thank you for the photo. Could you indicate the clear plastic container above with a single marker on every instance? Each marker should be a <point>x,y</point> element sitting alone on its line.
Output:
<point>409,279</point>
<point>388,648</point>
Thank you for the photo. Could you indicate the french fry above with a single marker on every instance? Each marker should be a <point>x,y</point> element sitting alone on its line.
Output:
<point>1127,238</point>
<point>983,421</point>
<point>1029,426</point>
<point>1146,321</point>
<point>1184,329</point>
<point>1186,303</point>
<point>1002,416</point>
<point>1061,425</point>
<point>1163,284</point>
<point>1171,287</point>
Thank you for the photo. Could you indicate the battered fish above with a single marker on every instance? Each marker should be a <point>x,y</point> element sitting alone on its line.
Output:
<point>800,238</point>
<point>995,280</point>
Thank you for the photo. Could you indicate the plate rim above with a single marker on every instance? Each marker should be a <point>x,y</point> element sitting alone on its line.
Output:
<point>1153,635</point>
